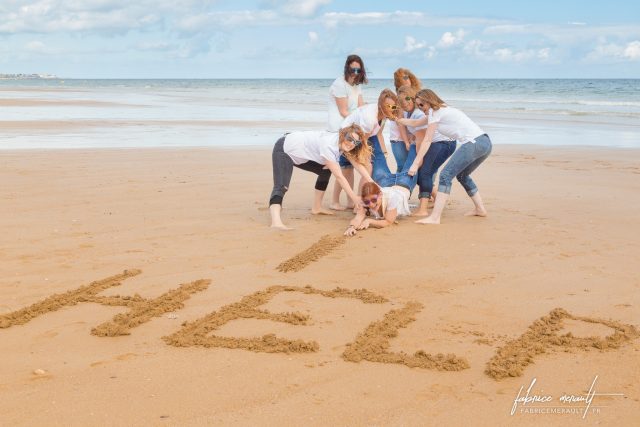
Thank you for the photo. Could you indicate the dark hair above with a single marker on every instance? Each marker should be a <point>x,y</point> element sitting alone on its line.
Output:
<point>360,78</point>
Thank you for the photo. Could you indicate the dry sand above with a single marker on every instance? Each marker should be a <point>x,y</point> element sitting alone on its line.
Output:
<point>141,287</point>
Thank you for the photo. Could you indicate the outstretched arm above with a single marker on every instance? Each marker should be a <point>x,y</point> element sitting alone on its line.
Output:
<point>355,222</point>
<point>337,172</point>
<point>423,148</point>
<point>362,171</point>
<point>414,122</point>
<point>389,218</point>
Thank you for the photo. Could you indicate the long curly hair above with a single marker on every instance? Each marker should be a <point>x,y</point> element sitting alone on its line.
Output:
<point>384,95</point>
<point>399,80</point>
<point>360,154</point>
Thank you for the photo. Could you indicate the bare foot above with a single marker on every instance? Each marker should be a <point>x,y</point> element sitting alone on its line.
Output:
<point>428,220</point>
<point>280,227</point>
<point>321,211</point>
<point>476,212</point>
<point>420,212</point>
<point>337,207</point>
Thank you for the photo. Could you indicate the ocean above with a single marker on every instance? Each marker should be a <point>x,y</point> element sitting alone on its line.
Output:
<point>77,113</point>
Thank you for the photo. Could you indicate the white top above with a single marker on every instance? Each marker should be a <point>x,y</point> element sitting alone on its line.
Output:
<point>366,117</point>
<point>317,146</point>
<point>418,114</point>
<point>394,132</point>
<point>455,124</point>
<point>340,88</point>
<point>396,198</point>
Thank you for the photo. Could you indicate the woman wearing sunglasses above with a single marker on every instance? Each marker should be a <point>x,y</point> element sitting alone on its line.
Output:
<point>476,147</point>
<point>317,152</point>
<point>384,203</point>
<point>438,152</point>
<point>371,118</point>
<point>345,96</point>
<point>400,141</point>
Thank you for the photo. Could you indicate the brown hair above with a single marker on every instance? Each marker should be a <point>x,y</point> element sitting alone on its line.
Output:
<point>398,80</point>
<point>360,154</point>
<point>359,78</point>
<point>428,96</point>
<point>407,91</point>
<point>370,188</point>
<point>387,93</point>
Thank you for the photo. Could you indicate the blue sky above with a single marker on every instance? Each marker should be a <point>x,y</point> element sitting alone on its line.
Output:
<point>311,38</point>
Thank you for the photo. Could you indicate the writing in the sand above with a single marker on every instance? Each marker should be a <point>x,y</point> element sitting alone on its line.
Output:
<point>372,344</point>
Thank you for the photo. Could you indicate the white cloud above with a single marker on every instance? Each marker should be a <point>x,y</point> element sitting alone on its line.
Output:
<point>410,44</point>
<point>607,51</point>
<point>485,51</point>
<point>313,37</point>
<point>401,18</point>
<point>632,50</point>
<point>301,8</point>
<point>449,39</point>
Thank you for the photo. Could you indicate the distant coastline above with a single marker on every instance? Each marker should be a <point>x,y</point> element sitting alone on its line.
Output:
<point>27,76</point>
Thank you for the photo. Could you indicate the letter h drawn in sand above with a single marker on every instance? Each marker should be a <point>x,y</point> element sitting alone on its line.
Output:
<point>198,333</point>
<point>141,310</point>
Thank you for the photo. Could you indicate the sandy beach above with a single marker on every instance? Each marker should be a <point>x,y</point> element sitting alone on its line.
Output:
<point>142,287</point>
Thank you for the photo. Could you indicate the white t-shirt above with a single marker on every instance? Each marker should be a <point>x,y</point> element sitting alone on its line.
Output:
<point>318,146</point>
<point>396,198</point>
<point>366,117</point>
<point>394,132</point>
<point>455,124</point>
<point>418,114</point>
<point>340,88</point>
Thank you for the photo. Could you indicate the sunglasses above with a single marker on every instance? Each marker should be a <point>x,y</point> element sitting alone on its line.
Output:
<point>421,105</point>
<point>392,107</point>
<point>355,70</point>
<point>405,77</point>
<point>408,98</point>
<point>370,201</point>
<point>356,142</point>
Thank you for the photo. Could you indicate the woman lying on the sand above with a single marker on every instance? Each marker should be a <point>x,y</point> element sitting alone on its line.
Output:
<point>384,203</point>
<point>475,148</point>
<point>317,152</point>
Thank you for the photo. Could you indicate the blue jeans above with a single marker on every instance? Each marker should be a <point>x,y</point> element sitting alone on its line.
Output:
<point>437,154</point>
<point>373,143</point>
<point>384,178</point>
<point>463,162</point>
<point>399,153</point>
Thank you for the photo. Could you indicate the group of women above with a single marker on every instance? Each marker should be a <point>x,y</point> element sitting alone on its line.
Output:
<point>424,134</point>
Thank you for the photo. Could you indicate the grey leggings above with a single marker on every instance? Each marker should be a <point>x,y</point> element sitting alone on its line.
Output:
<point>283,169</point>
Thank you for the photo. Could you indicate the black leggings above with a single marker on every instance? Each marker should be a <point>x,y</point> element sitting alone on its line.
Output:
<point>283,170</point>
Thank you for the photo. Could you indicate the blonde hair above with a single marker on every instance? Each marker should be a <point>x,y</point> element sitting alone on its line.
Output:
<point>360,154</point>
<point>428,96</point>
<point>407,91</point>
<point>387,93</point>
<point>398,80</point>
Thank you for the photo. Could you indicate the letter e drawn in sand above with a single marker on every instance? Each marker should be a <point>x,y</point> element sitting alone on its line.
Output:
<point>322,247</point>
<point>542,337</point>
<point>198,333</point>
<point>373,344</point>
<point>141,310</point>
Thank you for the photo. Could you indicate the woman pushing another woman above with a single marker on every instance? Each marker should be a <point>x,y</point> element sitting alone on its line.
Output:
<point>318,152</point>
<point>475,148</point>
<point>371,118</point>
